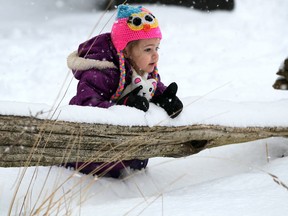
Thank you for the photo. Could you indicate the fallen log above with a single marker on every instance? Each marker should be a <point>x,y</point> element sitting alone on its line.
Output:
<point>29,141</point>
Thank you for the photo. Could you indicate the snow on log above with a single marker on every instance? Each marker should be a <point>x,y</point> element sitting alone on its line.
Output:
<point>29,141</point>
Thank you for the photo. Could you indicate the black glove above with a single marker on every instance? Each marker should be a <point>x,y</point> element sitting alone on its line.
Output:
<point>134,100</point>
<point>169,101</point>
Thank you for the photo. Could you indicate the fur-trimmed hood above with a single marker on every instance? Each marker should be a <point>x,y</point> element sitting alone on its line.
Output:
<point>96,53</point>
<point>75,62</point>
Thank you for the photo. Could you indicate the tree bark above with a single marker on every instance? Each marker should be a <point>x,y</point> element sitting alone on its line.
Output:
<point>28,141</point>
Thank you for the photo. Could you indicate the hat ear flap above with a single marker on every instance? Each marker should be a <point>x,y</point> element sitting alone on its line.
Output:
<point>155,74</point>
<point>122,79</point>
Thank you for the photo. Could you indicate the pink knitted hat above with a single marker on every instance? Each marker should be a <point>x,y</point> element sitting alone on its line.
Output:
<point>132,23</point>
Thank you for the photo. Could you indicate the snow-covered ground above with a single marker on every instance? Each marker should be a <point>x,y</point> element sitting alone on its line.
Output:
<point>224,64</point>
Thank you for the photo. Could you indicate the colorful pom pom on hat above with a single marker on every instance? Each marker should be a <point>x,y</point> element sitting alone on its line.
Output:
<point>132,23</point>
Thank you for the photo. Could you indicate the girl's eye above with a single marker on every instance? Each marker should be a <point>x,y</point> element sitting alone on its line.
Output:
<point>150,49</point>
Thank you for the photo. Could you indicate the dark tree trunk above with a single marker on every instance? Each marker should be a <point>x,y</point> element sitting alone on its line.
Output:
<point>205,5</point>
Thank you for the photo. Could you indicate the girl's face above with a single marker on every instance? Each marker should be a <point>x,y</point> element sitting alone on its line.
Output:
<point>143,54</point>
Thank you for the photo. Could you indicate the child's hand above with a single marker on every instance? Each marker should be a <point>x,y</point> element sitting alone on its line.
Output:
<point>134,100</point>
<point>169,101</point>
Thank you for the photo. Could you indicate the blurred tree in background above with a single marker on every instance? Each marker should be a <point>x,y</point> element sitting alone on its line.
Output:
<point>205,5</point>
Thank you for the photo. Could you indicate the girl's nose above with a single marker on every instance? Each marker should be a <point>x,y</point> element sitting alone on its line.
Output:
<point>155,55</point>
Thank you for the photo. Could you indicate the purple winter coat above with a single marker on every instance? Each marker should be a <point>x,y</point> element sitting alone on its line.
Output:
<point>96,66</point>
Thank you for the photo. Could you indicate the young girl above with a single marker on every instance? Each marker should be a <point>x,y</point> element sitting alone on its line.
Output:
<point>120,68</point>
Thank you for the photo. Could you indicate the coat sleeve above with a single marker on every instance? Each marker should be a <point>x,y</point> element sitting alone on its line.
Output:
<point>96,87</point>
<point>160,88</point>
